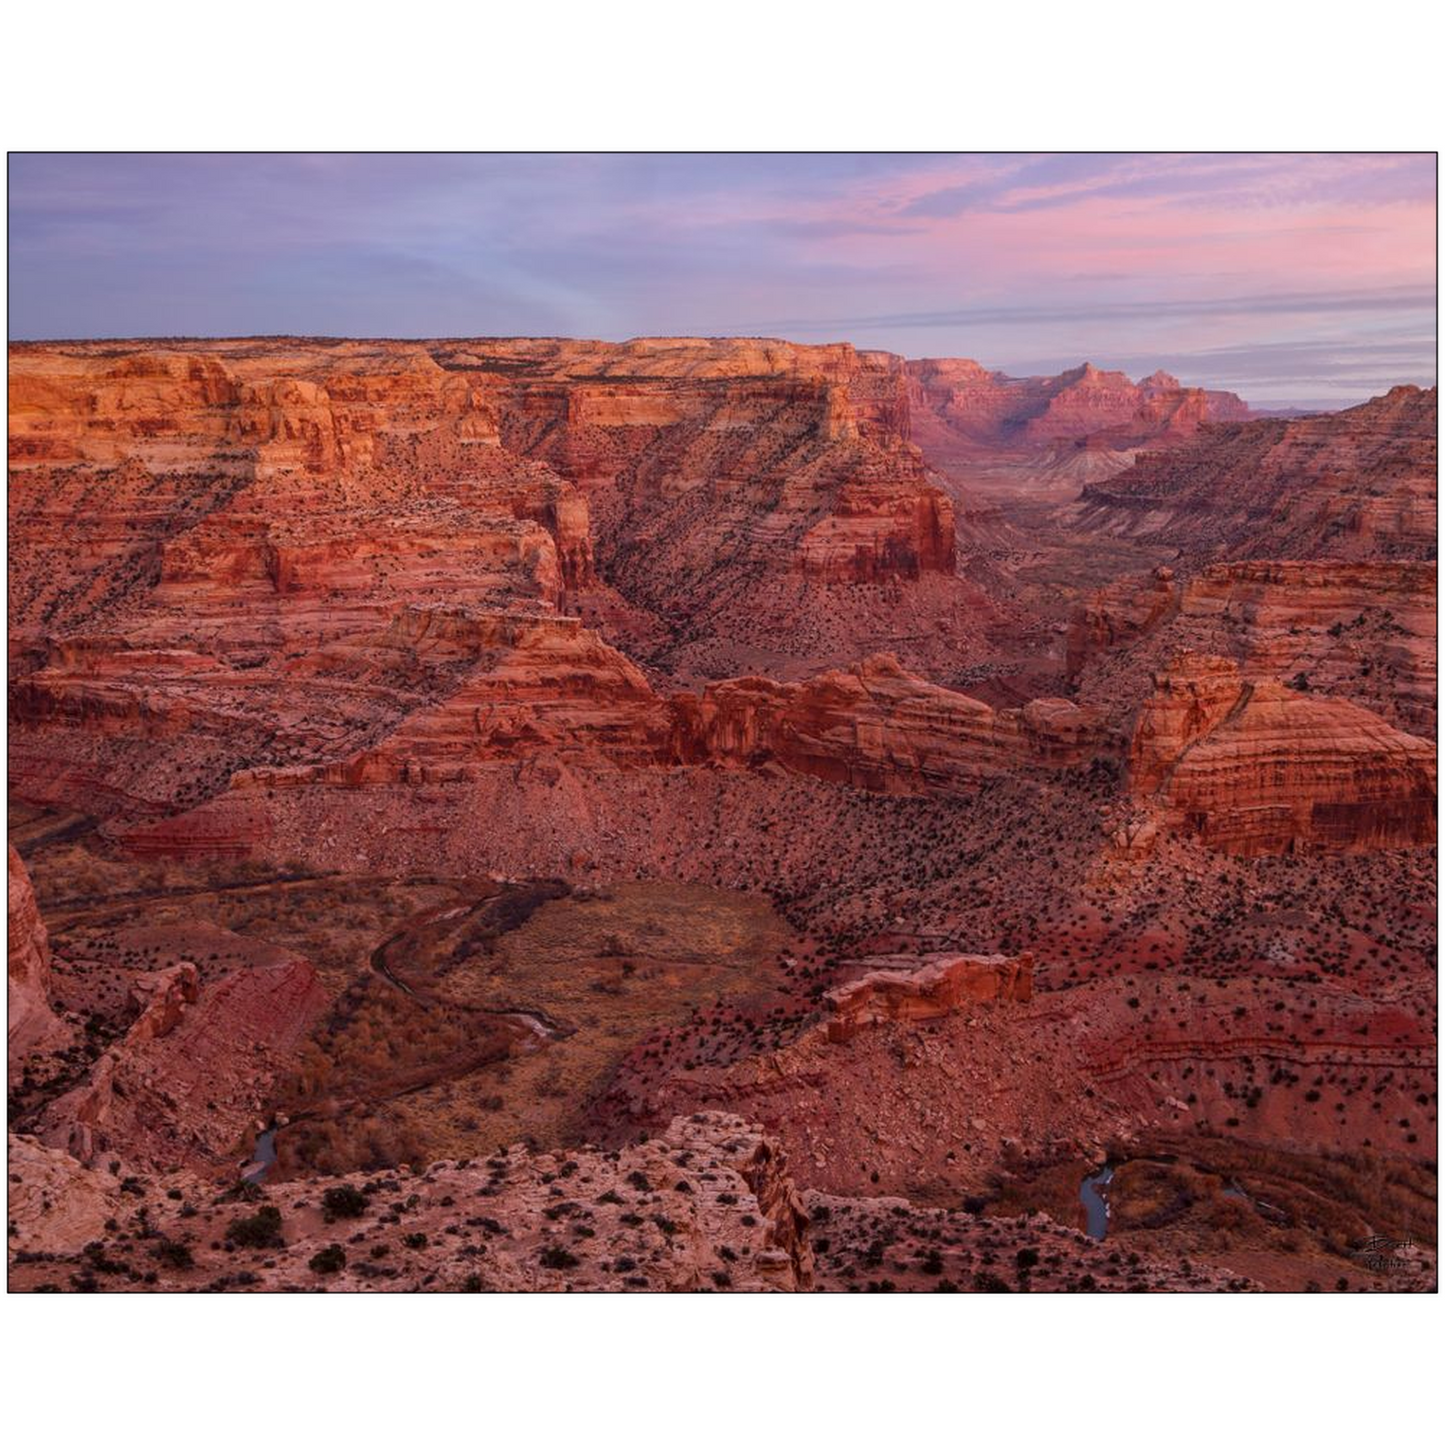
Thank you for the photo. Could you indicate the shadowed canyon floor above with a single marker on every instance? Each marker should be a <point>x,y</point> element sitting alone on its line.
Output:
<point>713,815</point>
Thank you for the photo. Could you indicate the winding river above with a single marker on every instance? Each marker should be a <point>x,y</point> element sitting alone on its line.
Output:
<point>1093,1196</point>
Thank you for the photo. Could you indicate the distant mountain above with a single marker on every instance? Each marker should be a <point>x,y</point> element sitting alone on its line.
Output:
<point>1354,484</point>
<point>958,405</point>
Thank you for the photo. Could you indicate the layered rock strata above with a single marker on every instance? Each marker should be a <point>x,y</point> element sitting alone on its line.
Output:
<point>929,987</point>
<point>1354,485</point>
<point>30,1021</point>
<point>193,1071</point>
<point>1258,767</point>
<point>876,726</point>
<point>988,406</point>
<point>1360,630</point>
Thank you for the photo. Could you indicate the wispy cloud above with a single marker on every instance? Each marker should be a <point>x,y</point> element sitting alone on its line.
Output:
<point>1003,257</point>
<point>1304,303</point>
<point>1278,181</point>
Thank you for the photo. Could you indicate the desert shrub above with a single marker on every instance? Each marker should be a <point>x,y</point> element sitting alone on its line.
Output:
<point>331,1260</point>
<point>345,1201</point>
<point>261,1230</point>
<point>174,1254</point>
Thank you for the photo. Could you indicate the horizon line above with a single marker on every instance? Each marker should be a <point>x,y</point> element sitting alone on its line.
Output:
<point>1265,404</point>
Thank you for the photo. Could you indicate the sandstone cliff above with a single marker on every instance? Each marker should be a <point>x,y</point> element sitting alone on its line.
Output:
<point>194,1069</point>
<point>30,1022</point>
<point>960,401</point>
<point>1258,767</point>
<point>1356,484</point>
<point>876,726</point>
<point>208,541</point>
<point>916,990</point>
<point>1364,631</point>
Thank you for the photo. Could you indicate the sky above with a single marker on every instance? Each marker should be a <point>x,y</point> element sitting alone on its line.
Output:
<point>1296,280</point>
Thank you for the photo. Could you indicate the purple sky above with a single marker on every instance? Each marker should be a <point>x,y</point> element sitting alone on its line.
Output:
<point>1295,280</point>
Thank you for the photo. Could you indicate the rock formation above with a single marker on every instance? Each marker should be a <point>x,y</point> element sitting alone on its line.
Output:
<point>960,401</point>
<point>1118,615</point>
<point>193,1070</point>
<point>30,1021</point>
<point>1263,768</point>
<point>532,685</point>
<point>708,1205</point>
<point>55,1202</point>
<point>880,531</point>
<point>1364,631</point>
<point>1354,485</point>
<point>875,726</point>
<point>480,690</point>
<point>933,986</point>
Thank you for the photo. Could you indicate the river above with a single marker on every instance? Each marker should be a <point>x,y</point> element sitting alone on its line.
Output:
<point>263,1158</point>
<point>1096,1205</point>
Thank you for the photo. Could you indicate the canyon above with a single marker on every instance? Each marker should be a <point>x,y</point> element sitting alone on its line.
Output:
<point>761,816</point>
